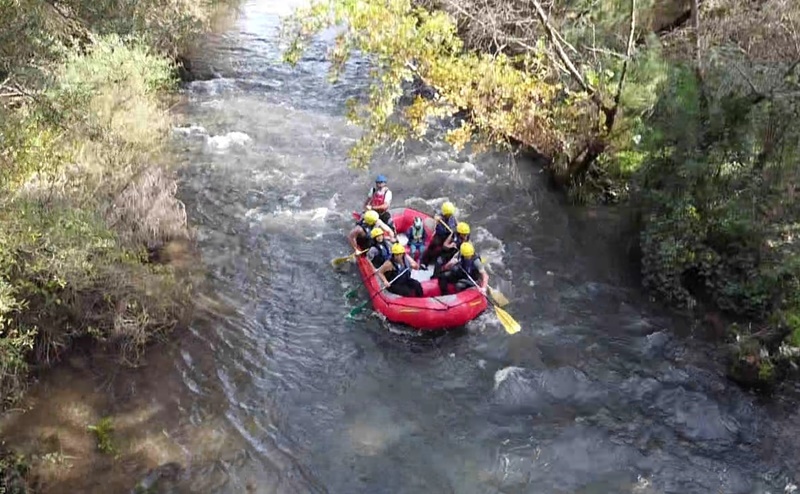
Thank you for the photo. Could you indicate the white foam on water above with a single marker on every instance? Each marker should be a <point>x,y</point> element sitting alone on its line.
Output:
<point>214,103</point>
<point>504,373</point>
<point>465,172</point>
<point>225,141</point>
<point>212,86</point>
<point>417,162</point>
<point>491,248</point>
<point>294,199</point>
<point>333,203</point>
<point>191,131</point>
<point>281,217</point>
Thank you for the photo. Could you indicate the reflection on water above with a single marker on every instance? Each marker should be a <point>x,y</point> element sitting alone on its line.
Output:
<point>273,390</point>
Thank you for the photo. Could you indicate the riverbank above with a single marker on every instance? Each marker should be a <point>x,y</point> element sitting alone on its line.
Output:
<point>645,105</point>
<point>96,250</point>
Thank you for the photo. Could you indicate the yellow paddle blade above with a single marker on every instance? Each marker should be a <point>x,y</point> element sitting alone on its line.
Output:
<point>509,323</point>
<point>341,260</point>
<point>498,297</point>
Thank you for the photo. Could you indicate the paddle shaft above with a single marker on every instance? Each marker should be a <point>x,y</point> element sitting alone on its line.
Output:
<point>387,286</point>
<point>445,225</point>
<point>473,281</point>
<point>511,326</point>
<point>390,283</point>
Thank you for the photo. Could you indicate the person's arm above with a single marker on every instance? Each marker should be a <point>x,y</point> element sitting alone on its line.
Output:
<point>387,266</point>
<point>369,199</point>
<point>484,279</point>
<point>412,262</point>
<point>452,262</point>
<point>449,243</point>
<point>352,238</point>
<point>388,231</point>
<point>484,276</point>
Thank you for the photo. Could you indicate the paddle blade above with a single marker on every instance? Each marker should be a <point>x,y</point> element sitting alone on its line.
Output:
<point>341,260</point>
<point>498,297</point>
<point>357,309</point>
<point>351,293</point>
<point>509,323</point>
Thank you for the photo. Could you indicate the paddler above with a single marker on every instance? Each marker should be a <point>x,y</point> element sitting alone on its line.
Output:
<point>441,233</point>
<point>360,236</point>
<point>451,246</point>
<point>379,200</point>
<point>381,249</point>
<point>404,285</point>
<point>457,269</point>
<point>416,238</point>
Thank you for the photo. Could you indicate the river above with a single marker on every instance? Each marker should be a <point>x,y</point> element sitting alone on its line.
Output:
<point>273,390</point>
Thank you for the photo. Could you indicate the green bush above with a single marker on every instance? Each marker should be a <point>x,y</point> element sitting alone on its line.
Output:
<point>86,196</point>
<point>721,211</point>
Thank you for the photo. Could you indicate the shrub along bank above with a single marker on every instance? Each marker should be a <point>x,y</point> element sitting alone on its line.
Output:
<point>682,109</point>
<point>87,193</point>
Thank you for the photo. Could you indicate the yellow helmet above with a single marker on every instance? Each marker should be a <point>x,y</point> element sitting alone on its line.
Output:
<point>462,228</point>
<point>398,249</point>
<point>371,217</point>
<point>448,209</point>
<point>467,250</point>
<point>376,232</point>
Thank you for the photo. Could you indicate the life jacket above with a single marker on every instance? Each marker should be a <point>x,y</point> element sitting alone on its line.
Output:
<point>441,231</point>
<point>399,267</point>
<point>367,229</point>
<point>457,241</point>
<point>384,251</point>
<point>378,196</point>
<point>469,266</point>
<point>417,234</point>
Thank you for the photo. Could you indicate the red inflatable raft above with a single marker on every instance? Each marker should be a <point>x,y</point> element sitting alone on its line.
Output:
<point>432,311</point>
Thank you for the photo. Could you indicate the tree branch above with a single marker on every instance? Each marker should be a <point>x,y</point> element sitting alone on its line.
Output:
<point>560,50</point>
<point>621,83</point>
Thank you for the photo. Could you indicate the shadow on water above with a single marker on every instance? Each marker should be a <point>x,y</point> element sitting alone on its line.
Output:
<point>273,390</point>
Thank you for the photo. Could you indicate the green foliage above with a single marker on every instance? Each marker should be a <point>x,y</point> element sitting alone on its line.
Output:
<point>506,97</point>
<point>104,433</point>
<point>85,190</point>
<point>13,469</point>
<point>719,189</point>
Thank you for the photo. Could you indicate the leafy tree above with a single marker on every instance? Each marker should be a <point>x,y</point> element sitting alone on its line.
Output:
<point>505,97</point>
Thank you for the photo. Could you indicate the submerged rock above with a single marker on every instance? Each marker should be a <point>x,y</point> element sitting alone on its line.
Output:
<point>160,480</point>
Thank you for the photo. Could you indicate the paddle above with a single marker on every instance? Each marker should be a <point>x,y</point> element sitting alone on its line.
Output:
<point>341,260</point>
<point>358,308</point>
<point>444,224</point>
<point>509,323</point>
<point>498,297</point>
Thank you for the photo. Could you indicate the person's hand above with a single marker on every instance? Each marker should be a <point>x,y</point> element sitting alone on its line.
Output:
<point>369,207</point>
<point>482,289</point>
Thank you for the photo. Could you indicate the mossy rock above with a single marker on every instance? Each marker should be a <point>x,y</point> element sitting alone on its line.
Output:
<point>750,370</point>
